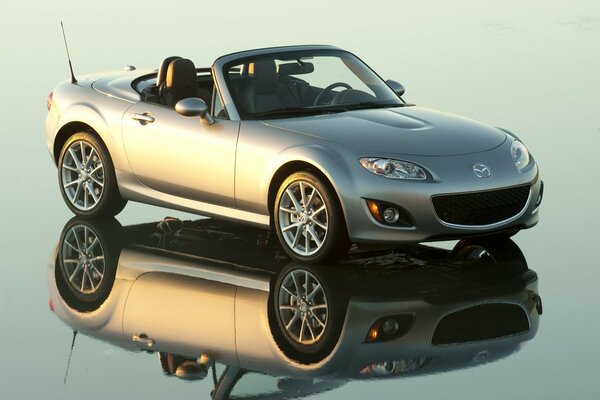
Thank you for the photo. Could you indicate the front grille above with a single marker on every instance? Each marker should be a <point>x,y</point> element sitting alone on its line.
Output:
<point>481,208</point>
<point>482,322</point>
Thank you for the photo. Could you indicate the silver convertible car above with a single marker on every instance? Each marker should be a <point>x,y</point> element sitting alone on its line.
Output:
<point>305,140</point>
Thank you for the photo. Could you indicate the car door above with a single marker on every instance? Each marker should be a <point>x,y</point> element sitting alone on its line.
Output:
<point>181,156</point>
<point>181,314</point>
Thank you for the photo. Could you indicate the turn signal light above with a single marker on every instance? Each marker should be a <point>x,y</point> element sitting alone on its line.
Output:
<point>373,334</point>
<point>374,208</point>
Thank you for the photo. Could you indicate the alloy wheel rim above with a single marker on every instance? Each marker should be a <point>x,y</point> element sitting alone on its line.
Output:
<point>82,175</point>
<point>303,307</point>
<point>303,218</point>
<point>83,259</point>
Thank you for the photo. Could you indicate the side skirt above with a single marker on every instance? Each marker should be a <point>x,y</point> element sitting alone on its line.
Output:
<point>132,189</point>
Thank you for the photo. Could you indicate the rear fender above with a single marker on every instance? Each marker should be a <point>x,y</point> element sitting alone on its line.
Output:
<point>106,124</point>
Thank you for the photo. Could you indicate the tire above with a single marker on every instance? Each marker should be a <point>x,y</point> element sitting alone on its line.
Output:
<point>87,179</point>
<point>307,314</point>
<point>86,263</point>
<point>310,234</point>
<point>490,252</point>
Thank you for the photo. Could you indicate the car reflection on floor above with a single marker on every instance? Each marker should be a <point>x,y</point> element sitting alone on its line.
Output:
<point>222,300</point>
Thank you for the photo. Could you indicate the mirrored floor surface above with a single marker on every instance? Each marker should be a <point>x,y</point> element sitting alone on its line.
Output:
<point>218,305</point>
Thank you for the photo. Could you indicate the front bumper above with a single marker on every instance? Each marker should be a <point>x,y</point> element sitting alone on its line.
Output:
<point>414,199</point>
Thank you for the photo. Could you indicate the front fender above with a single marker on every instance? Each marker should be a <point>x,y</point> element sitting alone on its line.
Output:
<point>328,161</point>
<point>266,155</point>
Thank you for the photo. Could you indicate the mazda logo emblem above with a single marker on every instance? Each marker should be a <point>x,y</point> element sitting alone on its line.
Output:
<point>482,170</point>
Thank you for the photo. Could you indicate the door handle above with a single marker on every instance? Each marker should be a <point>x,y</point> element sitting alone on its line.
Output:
<point>144,118</point>
<point>144,339</point>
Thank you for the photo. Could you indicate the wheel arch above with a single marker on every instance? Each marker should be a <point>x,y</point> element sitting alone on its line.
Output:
<point>291,167</point>
<point>68,130</point>
<point>87,117</point>
<point>113,202</point>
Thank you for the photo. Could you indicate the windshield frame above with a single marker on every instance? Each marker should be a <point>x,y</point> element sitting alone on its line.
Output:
<point>223,64</point>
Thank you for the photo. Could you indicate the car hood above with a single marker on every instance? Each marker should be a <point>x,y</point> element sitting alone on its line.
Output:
<point>402,130</point>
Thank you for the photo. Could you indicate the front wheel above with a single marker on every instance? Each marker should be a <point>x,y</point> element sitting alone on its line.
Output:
<point>490,252</point>
<point>308,219</point>
<point>87,177</point>
<point>308,312</point>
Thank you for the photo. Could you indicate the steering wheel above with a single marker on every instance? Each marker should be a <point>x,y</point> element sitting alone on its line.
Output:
<point>328,89</point>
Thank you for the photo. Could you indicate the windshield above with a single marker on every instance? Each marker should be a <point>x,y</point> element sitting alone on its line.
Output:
<point>284,85</point>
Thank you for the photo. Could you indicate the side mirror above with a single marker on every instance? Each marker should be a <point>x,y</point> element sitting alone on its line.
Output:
<point>194,107</point>
<point>396,87</point>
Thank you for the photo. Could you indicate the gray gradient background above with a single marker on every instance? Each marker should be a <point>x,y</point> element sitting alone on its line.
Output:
<point>532,67</point>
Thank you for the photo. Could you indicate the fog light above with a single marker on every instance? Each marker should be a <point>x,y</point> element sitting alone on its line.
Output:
<point>390,326</point>
<point>390,215</point>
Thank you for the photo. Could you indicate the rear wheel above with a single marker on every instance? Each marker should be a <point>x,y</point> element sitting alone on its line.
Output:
<point>308,219</point>
<point>87,259</point>
<point>87,177</point>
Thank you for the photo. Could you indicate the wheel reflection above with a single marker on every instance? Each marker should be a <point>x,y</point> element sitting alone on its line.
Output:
<point>223,301</point>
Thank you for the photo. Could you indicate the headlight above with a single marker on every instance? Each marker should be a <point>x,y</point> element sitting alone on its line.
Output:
<point>395,367</point>
<point>520,155</point>
<point>394,169</point>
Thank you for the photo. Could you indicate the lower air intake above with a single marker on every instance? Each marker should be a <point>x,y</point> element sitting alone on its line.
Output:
<point>481,208</point>
<point>482,322</point>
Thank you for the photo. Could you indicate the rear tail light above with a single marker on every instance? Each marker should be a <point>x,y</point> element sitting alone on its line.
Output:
<point>49,101</point>
<point>51,304</point>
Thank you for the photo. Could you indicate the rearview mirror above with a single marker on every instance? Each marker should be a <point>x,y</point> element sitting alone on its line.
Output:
<point>396,87</point>
<point>295,68</point>
<point>194,107</point>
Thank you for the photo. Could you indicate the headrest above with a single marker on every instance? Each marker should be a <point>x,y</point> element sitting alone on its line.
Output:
<point>264,74</point>
<point>162,70</point>
<point>181,72</point>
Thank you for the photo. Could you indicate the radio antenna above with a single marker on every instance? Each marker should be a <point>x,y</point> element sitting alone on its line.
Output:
<point>73,80</point>
<point>70,354</point>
